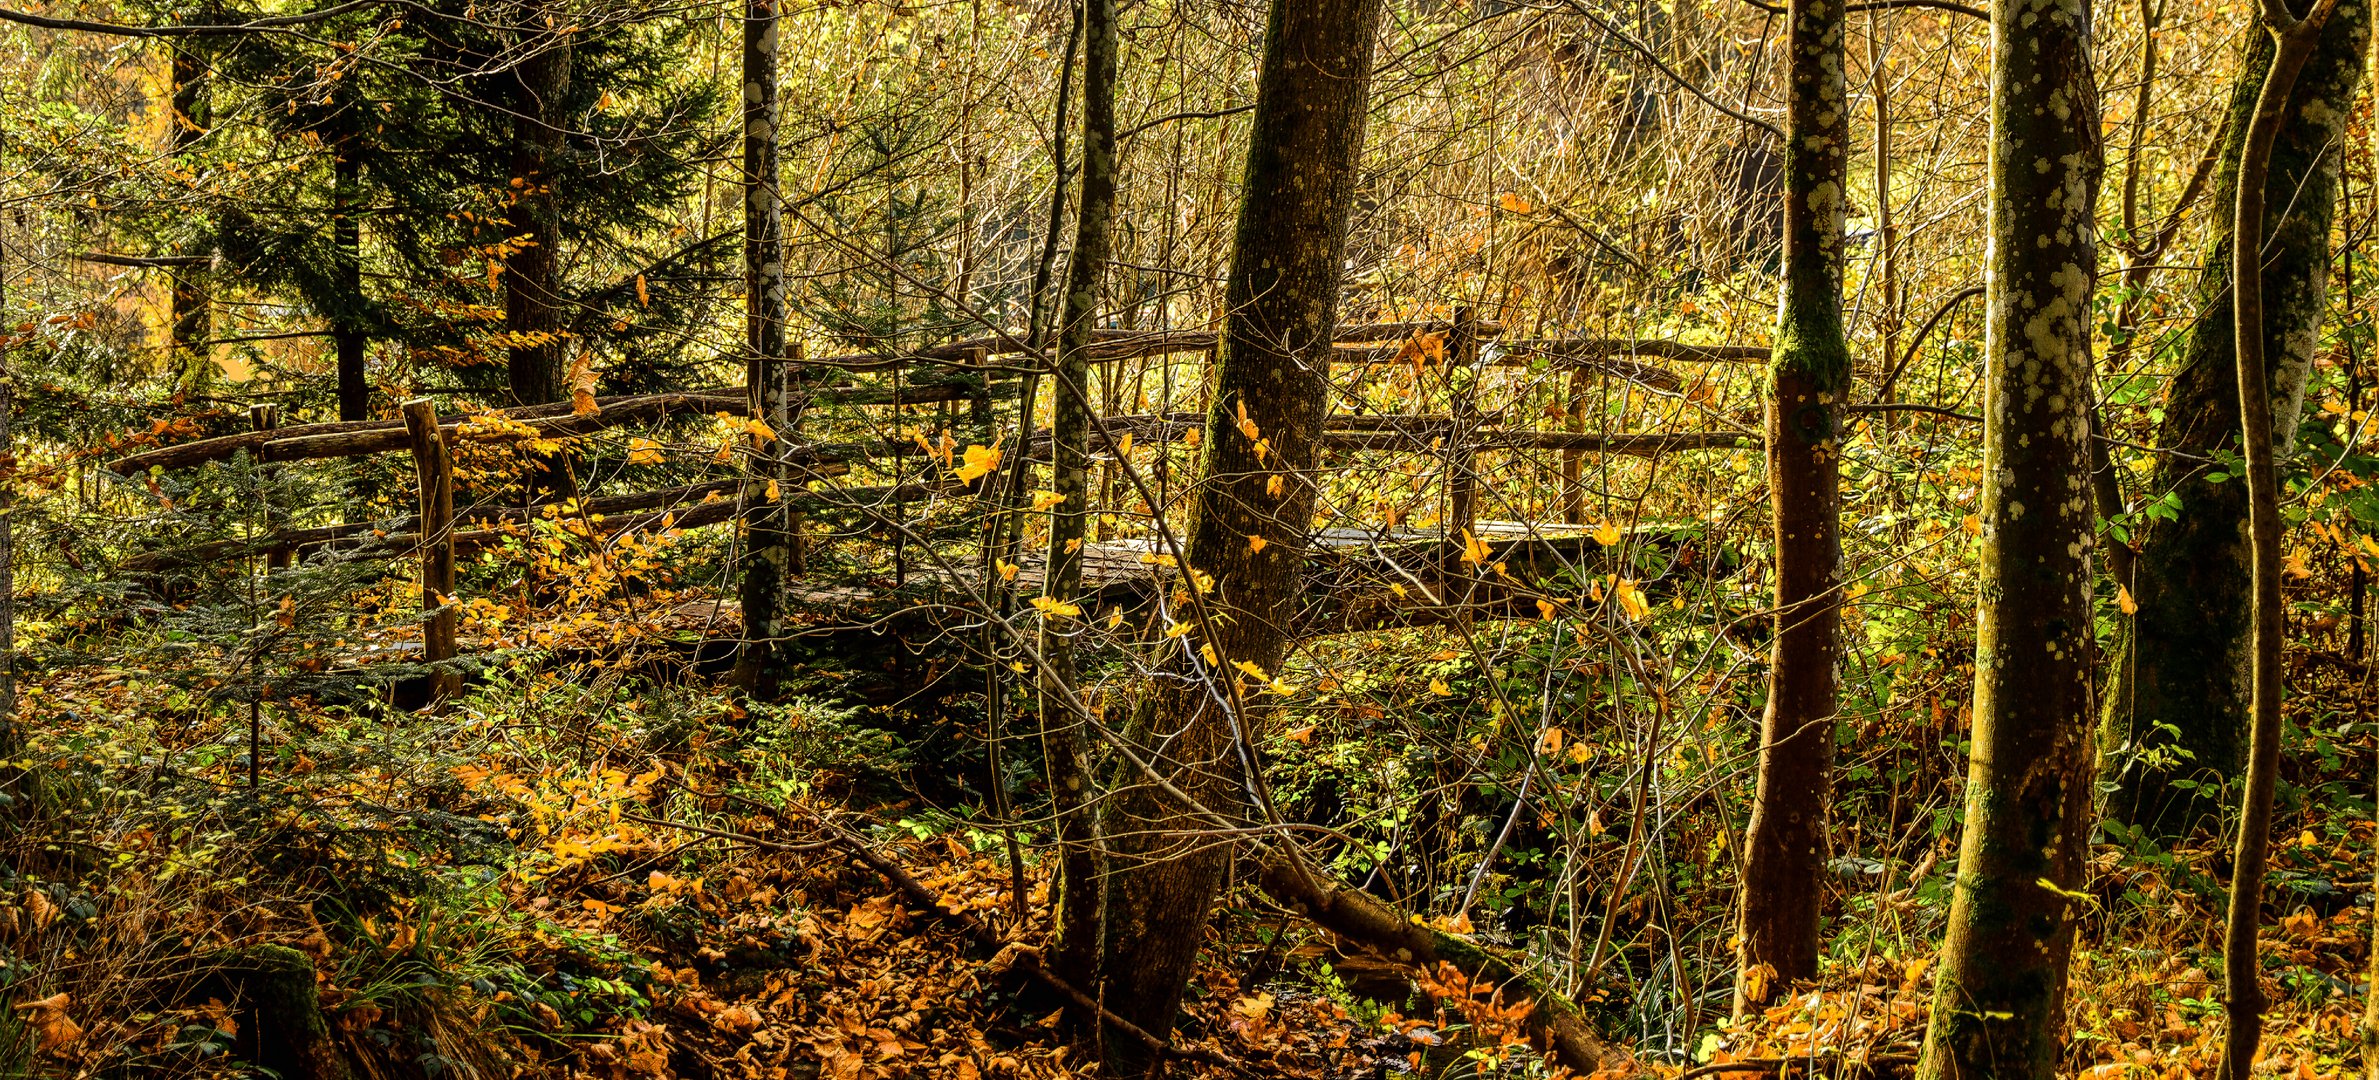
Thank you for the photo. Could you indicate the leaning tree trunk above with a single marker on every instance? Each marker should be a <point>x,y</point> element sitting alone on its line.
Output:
<point>1253,506</point>
<point>768,540</point>
<point>1998,1008</point>
<point>2174,708</point>
<point>1065,746</point>
<point>1784,848</point>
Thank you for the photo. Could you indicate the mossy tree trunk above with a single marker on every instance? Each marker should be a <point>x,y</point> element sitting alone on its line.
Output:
<point>1065,746</point>
<point>1784,848</point>
<point>2176,707</point>
<point>767,533</point>
<point>2293,43</point>
<point>1998,1007</point>
<point>1253,508</point>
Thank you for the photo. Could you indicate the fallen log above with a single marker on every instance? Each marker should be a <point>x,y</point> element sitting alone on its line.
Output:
<point>1373,924</point>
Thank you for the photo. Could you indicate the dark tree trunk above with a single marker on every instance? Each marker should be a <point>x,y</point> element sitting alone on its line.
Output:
<point>2175,705</point>
<point>1785,846</point>
<point>347,332</point>
<point>1998,1007</point>
<point>767,537</point>
<point>1253,506</point>
<point>1064,744</point>
<point>532,299</point>
<point>193,321</point>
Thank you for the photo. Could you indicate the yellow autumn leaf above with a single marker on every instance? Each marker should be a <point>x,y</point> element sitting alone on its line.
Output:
<point>1544,609</point>
<point>1302,735</point>
<point>1247,427</point>
<point>773,491</point>
<point>1053,607</point>
<point>1631,599</point>
<point>2124,601</point>
<point>1252,671</point>
<point>1439,687</point>
<point>1606,534</point>
<point>1474,550</point>
<point>1007,569</point>
<point>1177,629</point>
<point>1043,500</point>
<point>759,430</point>
<point>1123,445</point>
<point>1206,651</point>
<point>644,297</point>
<point>1550,742</point>
<point>1263,450</point>
<point>980,460</point>
<point>1511,201</point>
<point>1275,486</point>
<point>1114,618</point>
<point>1255,543</point>
<point>643,451</point>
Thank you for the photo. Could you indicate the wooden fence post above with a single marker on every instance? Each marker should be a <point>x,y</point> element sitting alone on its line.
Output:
<point>1573,462</point>
<point>435,471</point>
<point>266,418</point>
<point>1462,477</point>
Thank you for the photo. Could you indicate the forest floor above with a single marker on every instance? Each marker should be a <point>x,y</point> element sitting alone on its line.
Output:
<point>586,873</point>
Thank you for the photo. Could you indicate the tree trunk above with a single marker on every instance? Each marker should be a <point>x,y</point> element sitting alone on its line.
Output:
<point>767,535</point>
<point>1065,746</point>
<point>2293,42</point>
<point>347,332</point>
<point>1998,1007</point>
<point>193,322</point>
<point>1262,443</point>
<point>2173,709</point>
<point>532,300</point>
<point>1785,846</point>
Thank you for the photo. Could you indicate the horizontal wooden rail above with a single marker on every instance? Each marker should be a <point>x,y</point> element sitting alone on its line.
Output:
<point>358,437</point>
<point>1368,343</point>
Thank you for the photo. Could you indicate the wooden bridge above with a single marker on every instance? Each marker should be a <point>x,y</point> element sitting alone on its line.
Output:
<point>1361,576</point>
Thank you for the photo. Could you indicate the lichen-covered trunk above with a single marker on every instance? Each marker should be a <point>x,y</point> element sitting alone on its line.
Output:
<point>1998,1006</point>
<point>2177,705</point>
<point>1065,746</point>
<point>1253,508</point>
<point>767,527</point>
<point>1784,847</point>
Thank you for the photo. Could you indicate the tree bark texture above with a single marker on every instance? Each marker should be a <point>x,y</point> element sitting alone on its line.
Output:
<point>1065,746</point>
<point>347,331</point>
<point>1998,1005</point>
<point>532,278</point>
<point>1785,845</point>
<point>193,322</point>
<point>2175,705</point>
<point>2293,43</point>
<point>768,528</point>
<point>1253,505</point>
